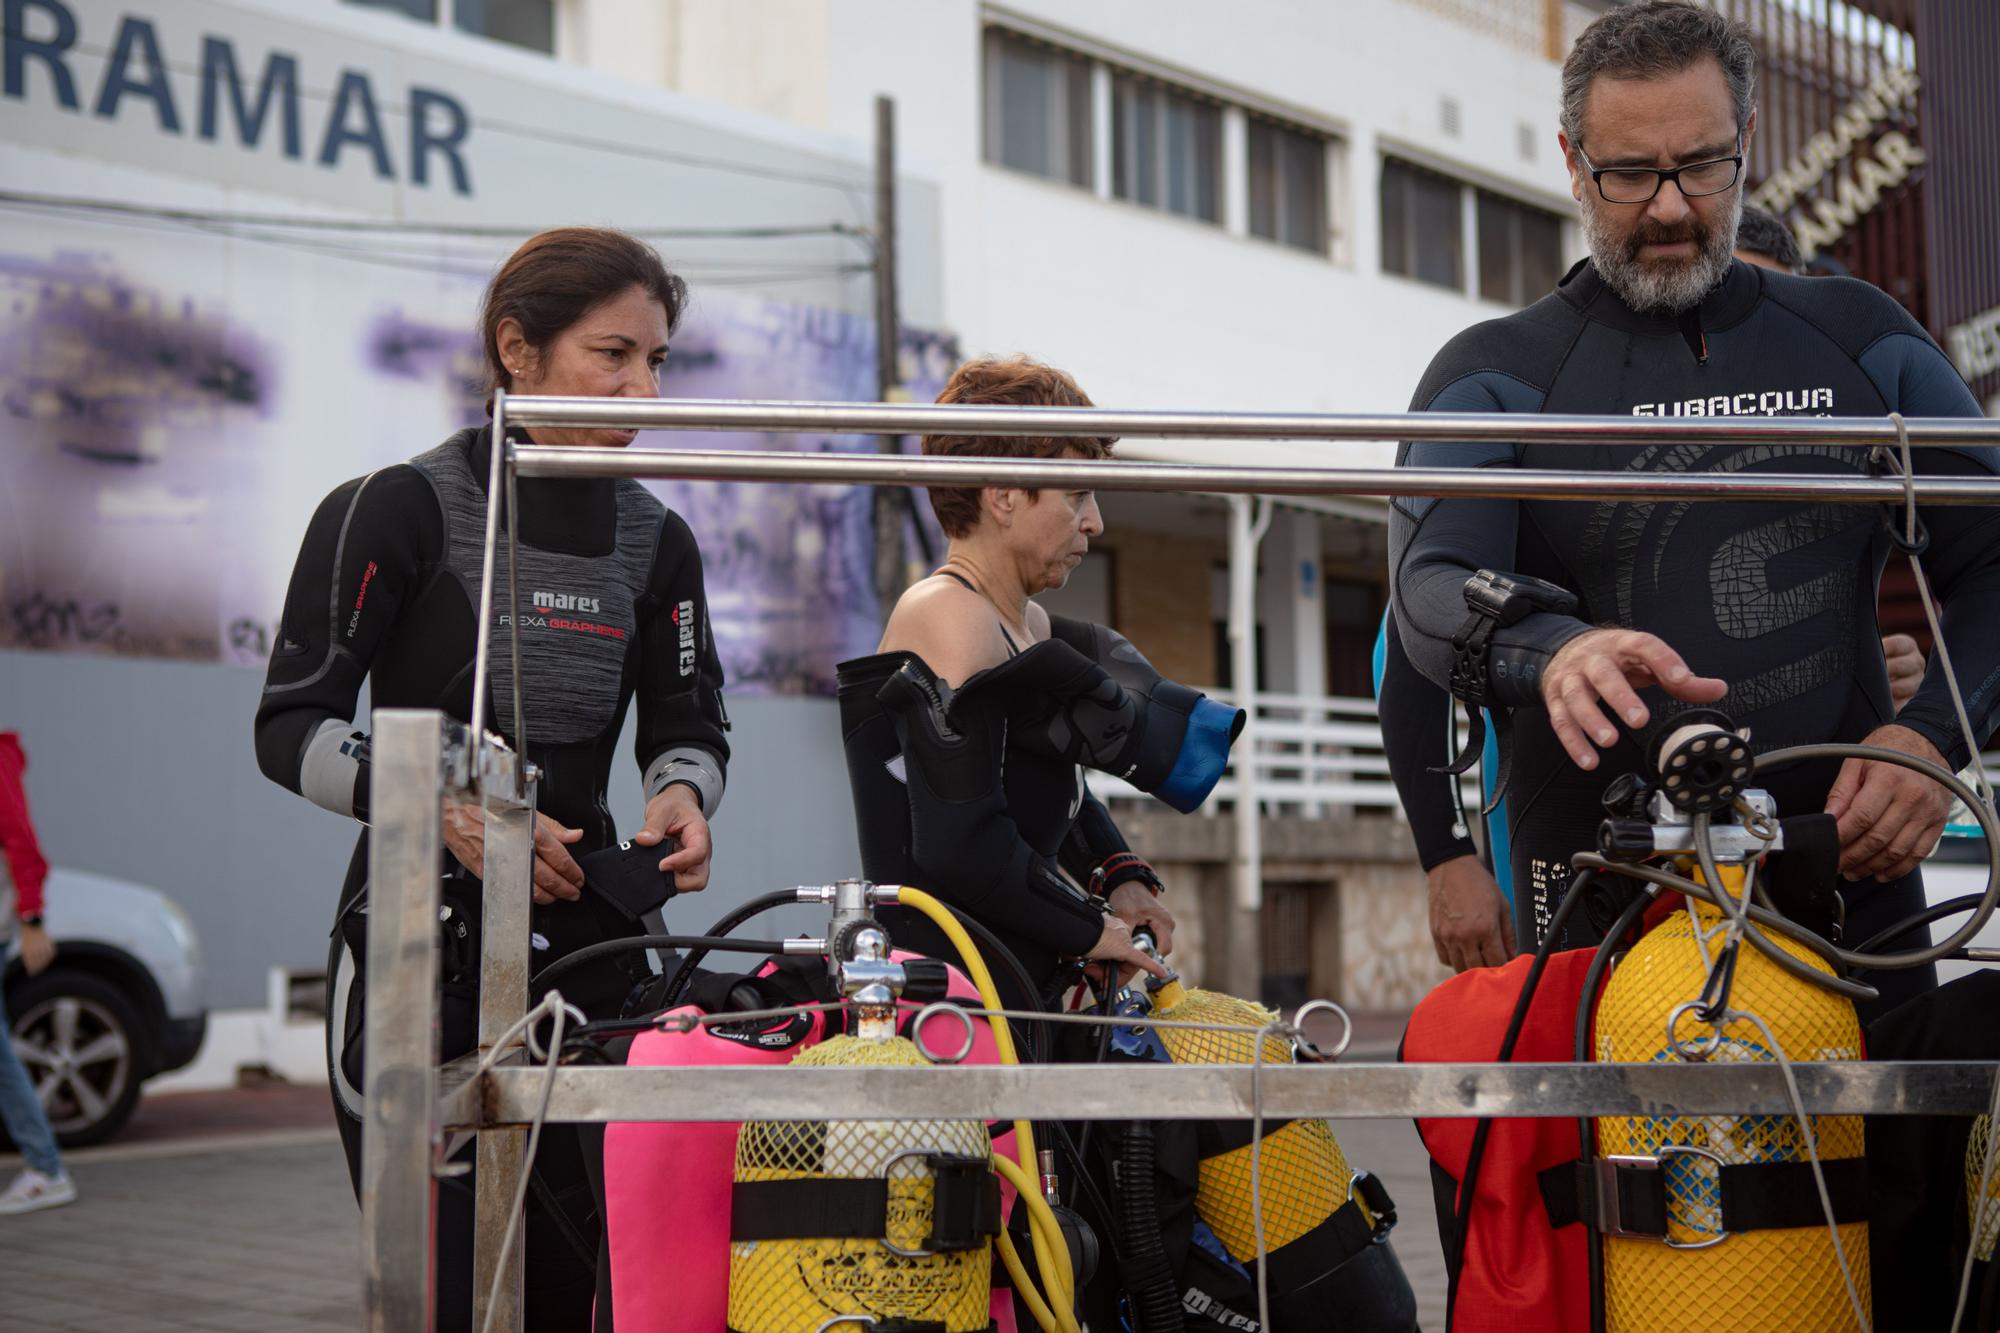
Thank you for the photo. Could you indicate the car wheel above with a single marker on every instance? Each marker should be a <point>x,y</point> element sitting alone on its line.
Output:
<point>79,1038</point>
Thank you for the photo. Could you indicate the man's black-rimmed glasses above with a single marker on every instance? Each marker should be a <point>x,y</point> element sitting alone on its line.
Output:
<point>1637,185</point>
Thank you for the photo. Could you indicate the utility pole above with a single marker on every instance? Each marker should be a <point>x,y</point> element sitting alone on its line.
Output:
<point>890,505</point>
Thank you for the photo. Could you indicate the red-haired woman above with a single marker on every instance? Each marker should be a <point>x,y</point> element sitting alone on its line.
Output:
<point>386,591</point>
<point>968,730</point>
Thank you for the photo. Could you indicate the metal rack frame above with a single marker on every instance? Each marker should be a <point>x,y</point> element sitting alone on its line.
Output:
<point>421,759</point>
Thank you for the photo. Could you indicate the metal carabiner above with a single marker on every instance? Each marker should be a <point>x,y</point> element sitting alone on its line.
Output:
<point>925,1015</point>
<point>1693,1053</point>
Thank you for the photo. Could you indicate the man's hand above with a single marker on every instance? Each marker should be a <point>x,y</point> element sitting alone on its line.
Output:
<point>1906,668</point>
<point>1471,925</point>
<point>1889,818</point>
<point>1136,905</point>
<point>37,949</point>
<point>557,875</point>
<point>1605,666</point>
<point>676,813</point>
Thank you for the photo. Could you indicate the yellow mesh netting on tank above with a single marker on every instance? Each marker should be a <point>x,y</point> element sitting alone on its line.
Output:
<point>1303,1174</point>
<point>794,1286</point>
<point>1982,1214</point>
<point>1766,1280</point>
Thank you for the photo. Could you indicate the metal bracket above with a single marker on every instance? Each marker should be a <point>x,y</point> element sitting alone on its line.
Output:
<point>1611,1173</point>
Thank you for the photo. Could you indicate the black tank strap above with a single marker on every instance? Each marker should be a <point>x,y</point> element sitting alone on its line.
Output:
<point>1755,1196</point>
<point>965,1207</point>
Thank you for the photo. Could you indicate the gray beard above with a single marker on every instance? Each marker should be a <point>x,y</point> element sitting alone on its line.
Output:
<point>1659,288</point>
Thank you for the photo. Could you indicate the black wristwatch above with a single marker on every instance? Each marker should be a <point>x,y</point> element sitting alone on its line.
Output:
<point>1494,600</point>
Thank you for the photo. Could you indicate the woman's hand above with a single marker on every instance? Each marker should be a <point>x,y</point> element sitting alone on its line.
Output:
<point>1137,906</point>
<point>557,874</point>
<point>1115,946</point>
<point>676,813</point>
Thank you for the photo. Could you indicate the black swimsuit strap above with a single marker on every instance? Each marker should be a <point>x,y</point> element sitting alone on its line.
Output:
<point>1013,649</point>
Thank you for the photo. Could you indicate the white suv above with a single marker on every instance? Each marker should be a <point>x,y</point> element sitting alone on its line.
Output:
<point>123,1001</point>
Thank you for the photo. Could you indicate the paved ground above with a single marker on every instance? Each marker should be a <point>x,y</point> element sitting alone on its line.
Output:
<point>231,1211</point>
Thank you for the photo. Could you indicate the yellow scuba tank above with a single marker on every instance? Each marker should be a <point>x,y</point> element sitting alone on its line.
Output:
<point>1701,1276</point>
<point>868,1221</point>
<point>1982,1213</point>
<point>1304,1177</point>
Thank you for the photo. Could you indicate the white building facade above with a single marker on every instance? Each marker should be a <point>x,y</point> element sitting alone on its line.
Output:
<point>1246,206</point>
<point>1253,205</point>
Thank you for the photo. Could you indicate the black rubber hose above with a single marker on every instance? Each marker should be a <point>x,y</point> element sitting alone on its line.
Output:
<point>1037,1036</point>
<point>1989,826</point>
<point>1858,991</point>
<point>1586,1127</point>
<point>1148,1277</point>
<point>1103,1049</point>
<point>1086,1184</point>
<point>625,944</point>
<point>684,975</point>
<point>1936,912</point>
<point>1468,1188</point>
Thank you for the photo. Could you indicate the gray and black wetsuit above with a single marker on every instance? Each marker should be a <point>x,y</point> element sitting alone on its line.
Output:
<point>386,591</point>
<point>1777,599</point>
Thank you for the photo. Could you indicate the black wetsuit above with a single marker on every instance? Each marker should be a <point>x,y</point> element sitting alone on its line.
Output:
<point>1777,599</point>
<point>386,590</point>
<point>987,824</point>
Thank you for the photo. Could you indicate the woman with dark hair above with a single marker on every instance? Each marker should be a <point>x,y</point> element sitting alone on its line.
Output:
<point>386,591</point>
<point>968,730</point>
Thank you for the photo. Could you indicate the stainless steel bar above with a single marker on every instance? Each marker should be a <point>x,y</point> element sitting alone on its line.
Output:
<point>1485,427</point>
<point>482,651</point>
<point>503,997</point>
<point>514,620</point>
<point>400,1131</point>
<point>1078,1092</point>
<point>1513,483</point>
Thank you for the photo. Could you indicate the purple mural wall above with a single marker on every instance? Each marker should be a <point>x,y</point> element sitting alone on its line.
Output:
<point>173,409</point>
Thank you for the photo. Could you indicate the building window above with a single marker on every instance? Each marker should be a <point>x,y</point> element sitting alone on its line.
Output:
<point>1166,148</point>
<point>425,10</point>
<point>1037,108</point>
<point>525,23</point>
<point>1423,233</point>
<point>1353,619</point>
<point>1520,251</point>
<point>529,23</point>
<point>1287,185</point>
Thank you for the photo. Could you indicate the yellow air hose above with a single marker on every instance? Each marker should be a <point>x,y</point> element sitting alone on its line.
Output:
<point>1024,1286</point>
<point>1051,1252</point>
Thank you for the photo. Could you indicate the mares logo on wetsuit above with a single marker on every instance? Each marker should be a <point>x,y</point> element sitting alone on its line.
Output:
<point>360,596</point>
<point>684,617</point>
<point>565,601</point>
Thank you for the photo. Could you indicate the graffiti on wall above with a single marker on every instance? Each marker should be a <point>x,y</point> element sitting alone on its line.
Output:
<point>163,449</point>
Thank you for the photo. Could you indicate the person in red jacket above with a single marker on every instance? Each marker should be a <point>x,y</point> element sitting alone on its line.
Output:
<point>43,1183</point>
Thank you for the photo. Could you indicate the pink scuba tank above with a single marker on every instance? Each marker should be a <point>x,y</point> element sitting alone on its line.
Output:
<point>667,1186</point>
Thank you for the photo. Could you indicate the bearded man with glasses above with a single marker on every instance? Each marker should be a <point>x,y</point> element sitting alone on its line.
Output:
<point>1763,609</point>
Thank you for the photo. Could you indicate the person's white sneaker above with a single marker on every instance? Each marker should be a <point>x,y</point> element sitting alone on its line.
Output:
<point>31,1190</point>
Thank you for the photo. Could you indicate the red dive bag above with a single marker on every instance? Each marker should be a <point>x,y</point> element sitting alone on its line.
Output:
<point>1518,1272</point>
